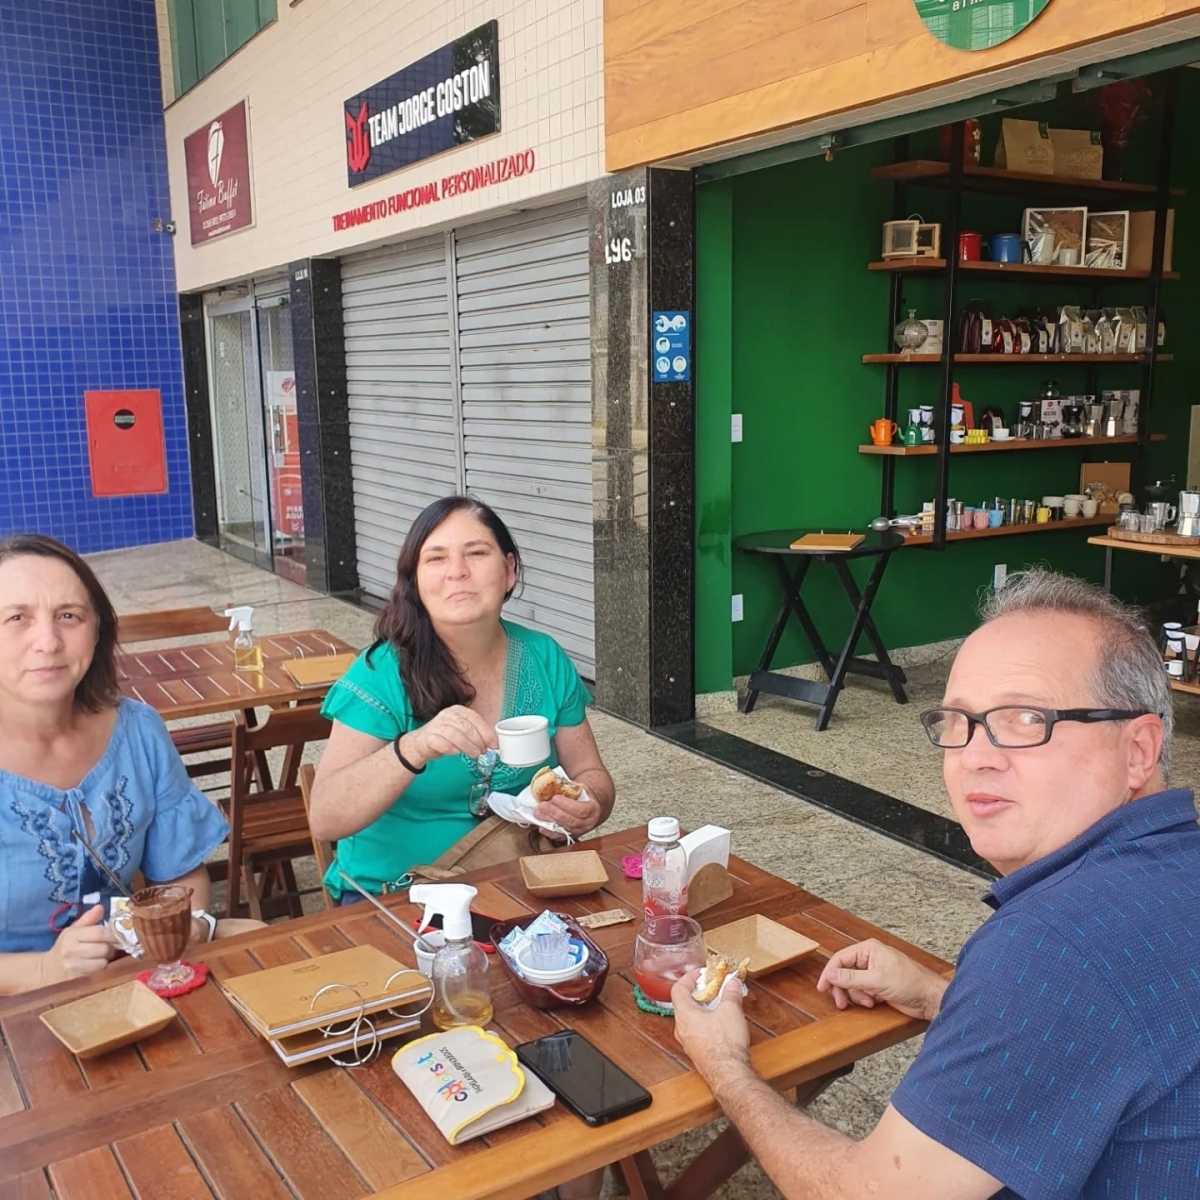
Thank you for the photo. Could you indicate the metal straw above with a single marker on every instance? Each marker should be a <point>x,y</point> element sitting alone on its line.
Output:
<point>113,879</point>
<point>387,912</point>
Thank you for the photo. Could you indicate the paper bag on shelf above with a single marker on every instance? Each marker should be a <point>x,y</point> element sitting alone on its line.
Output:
<point>1025,147</point>
<point>1077,152</point>
<point>469,1082</point>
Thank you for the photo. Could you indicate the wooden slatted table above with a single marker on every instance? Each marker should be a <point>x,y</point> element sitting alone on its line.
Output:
<point>199,680</point>
<point>205,1108</point>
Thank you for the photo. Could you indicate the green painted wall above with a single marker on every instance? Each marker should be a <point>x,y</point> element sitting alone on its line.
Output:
<point>786,309</point>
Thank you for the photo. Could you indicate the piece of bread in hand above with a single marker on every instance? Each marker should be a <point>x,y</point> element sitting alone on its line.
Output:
<point>547,782</point>
<point>712,978</point>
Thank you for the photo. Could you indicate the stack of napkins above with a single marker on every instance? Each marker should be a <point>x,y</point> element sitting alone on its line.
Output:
<point>469,1082</point>
<point>278,1002</point>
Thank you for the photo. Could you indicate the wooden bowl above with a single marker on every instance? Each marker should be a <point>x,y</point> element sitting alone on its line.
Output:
<point>578,873</point>
<point>571,994</point>
<point>108,1020</point>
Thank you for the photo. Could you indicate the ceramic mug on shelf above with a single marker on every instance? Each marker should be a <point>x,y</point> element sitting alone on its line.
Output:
<point>882,431</point>
<point>957,437</point>
<point>1005,247</point>
<point>1070,506</point>
<point>981,518</point>
<point>1042,516</point>
<point>1000,433</point>
<point>1068,258</point>
<point>995,517</point>
<point>1089,508</point>
<point>1174,668</point>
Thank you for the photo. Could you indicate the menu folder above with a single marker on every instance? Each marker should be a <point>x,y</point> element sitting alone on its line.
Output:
<point>319,670</point>
<point>284,1000</point>
<point>827,541</point>
<point>469,1082</point>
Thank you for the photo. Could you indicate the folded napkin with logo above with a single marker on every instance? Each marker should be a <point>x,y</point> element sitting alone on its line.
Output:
<point>469,1082</point>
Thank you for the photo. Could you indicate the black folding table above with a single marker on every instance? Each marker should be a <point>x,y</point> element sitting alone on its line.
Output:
<point>777,545</point>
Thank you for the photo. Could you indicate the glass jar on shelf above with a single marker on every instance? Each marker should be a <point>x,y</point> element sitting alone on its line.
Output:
<point>910,335</point>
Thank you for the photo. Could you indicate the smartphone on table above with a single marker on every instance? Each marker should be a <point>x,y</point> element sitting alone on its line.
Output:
<point>590,1084</point>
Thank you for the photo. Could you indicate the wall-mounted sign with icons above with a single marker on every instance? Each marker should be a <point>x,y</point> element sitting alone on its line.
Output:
<point>977,24</point>
<point>671,346</point>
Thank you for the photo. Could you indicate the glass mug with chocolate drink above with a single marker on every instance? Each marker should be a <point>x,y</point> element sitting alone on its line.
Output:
<point>162,920</point>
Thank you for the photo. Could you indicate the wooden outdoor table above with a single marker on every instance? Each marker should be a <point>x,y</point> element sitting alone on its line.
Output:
<point>205,1108</point>
<point>199,680</point>
<point>1160,550</point>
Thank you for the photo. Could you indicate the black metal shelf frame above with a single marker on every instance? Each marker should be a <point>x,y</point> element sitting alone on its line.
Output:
<point>954,186</point>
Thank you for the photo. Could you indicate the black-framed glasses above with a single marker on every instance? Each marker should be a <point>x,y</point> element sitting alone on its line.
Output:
<point>1012,726</point>
<point>485,767</point>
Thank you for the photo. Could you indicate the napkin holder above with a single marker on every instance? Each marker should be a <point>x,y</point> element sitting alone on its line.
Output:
<point>469,1082</point>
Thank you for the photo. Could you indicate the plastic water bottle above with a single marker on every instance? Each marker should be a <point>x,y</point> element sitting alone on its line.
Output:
<point>664,871</point>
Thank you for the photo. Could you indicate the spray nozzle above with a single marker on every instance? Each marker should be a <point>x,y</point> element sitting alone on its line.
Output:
<point>240,617</point>
<point>452,901</point>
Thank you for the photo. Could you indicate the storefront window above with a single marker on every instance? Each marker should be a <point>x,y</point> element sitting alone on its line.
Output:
<point>204,33</point>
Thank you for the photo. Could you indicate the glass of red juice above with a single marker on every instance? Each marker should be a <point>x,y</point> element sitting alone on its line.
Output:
<point>666,949</point>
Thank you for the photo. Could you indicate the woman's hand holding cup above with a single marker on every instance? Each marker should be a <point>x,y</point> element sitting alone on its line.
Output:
<point>455,730</point>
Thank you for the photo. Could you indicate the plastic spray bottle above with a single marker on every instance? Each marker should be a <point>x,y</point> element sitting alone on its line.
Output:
<point>460,968</point>
<point>247,653</point>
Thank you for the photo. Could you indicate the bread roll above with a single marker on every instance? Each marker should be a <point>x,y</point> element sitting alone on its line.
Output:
<point>712,978</point>
<point>547,782</point>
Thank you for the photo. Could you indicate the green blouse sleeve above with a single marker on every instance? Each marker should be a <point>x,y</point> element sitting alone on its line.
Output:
<point>370,697</point>
<point>570,696</point>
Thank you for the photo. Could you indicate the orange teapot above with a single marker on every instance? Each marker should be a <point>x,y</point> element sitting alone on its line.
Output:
<point>882,431</point>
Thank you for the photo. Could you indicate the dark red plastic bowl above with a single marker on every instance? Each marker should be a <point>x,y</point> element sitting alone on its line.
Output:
<point>575,992</point>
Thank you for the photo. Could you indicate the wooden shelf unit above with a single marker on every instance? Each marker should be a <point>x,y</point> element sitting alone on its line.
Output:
<point>995,179</point>
<point>1022,271</point>
<point>925,451</point>
<point>966,535</point>
<point>1011,360</point>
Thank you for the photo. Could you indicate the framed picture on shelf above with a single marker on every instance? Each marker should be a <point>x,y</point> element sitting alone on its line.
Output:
<point>1107,241</point>
<point>1068,226</point>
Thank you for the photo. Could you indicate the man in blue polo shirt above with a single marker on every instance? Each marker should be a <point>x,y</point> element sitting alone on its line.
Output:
<point>1064,1058</point>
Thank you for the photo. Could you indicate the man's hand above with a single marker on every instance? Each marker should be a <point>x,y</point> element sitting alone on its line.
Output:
<point>868,972</point>
<point>81,949</point>
<point>717,1042</point>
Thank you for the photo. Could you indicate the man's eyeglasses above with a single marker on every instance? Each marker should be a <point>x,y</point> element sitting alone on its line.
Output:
<point>1012,727</point>
<point>477,798</point>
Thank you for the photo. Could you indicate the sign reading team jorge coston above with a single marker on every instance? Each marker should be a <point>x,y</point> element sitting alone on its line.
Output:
<point>447,98</point>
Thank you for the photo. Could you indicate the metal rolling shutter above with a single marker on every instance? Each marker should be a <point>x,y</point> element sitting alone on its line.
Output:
<point>525,371</point>
<point>401,392</point>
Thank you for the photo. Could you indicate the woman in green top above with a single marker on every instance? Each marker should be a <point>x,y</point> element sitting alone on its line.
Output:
<point>418,707</point>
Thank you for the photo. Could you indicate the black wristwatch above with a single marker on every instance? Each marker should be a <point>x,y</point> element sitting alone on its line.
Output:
<point>402,760</point>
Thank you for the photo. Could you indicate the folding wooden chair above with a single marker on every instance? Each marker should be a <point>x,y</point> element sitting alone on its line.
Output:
<point>268,827</point>
<point>323,851</point>
<point>169,623</point>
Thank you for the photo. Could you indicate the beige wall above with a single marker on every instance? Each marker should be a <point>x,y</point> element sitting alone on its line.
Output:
<point>296,74</point>
<point>682,78</point>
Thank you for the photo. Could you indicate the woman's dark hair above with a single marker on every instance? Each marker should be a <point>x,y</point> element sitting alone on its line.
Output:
<point>97,690</point>
<point>431,677</point>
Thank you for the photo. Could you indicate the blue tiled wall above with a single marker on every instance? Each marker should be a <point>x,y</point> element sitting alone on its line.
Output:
<point>87,289</point>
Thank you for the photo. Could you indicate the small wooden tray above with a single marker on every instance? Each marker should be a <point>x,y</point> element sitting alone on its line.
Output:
<point>576,874</point>
<point>1161,538</point>
<point>108,1020</point>
<point>827,541</point>
<point>767,944</point>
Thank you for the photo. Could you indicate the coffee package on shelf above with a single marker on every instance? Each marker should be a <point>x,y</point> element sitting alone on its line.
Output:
<point>1025,147</point>
<point>1070,330</point>
<point>1091,332</point>
<point>1141,329</point>
<point>1106,330</point>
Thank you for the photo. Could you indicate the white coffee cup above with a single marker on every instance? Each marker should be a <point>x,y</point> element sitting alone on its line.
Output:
<point>524,741</point>
<point>999,433</point>
<point>1088,507</point>
<point>1174,667</point>
<point>1068,258</point>
<point>1070,506</point>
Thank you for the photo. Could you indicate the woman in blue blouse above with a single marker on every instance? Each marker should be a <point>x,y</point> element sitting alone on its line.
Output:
<point>76,757</point>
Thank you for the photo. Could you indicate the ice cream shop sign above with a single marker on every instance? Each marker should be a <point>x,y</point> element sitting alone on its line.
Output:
<point>978,24</point>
